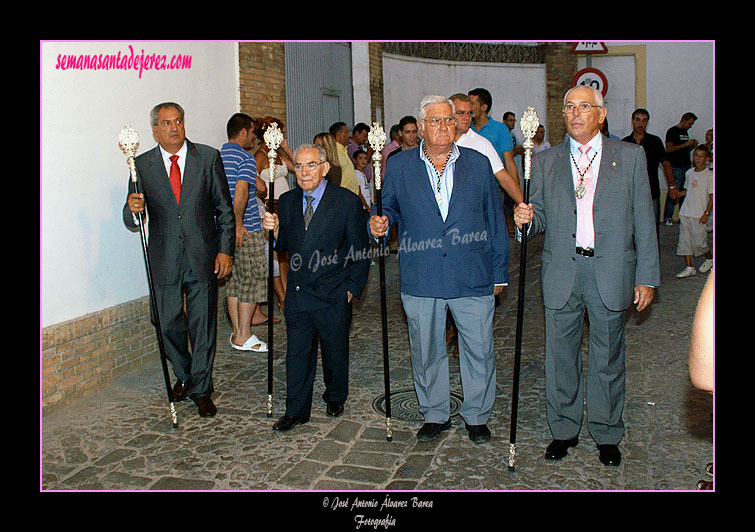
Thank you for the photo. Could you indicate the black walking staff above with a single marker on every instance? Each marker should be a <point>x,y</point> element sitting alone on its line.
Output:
<point>529,125</point>
<point>128,140</point>
<point>376,138</point>
<point>273,139</point>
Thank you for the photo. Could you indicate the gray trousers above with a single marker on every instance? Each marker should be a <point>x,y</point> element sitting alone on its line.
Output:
<point>605,363</point>
<point>426,317</point>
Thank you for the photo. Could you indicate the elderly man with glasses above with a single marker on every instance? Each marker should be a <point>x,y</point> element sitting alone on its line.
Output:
<point>453,252</point>
<point>321,225</point>
<point>600,255</point>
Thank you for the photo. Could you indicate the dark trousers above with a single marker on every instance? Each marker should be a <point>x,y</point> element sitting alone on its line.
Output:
<point>194,324</point>
<point>680,175</point>
<point>303,329</point>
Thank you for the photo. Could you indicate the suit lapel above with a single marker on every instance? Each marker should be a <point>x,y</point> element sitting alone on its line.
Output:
<point>562,168</point>
<point>607,170</point>
<point>159,175</point>
<point>191,169</point>
<point>297,215</point>
<point>461,174</point>
<point>322,215</point>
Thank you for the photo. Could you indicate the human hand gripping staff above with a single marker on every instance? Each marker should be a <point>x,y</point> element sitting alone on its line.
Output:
<point>128,140</point>
<point>273,138</point>
<point>529,125</point>
<point>376,137</point>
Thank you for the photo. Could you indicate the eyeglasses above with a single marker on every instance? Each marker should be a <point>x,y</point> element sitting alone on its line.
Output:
<point>435,122</point>
<point>583,107</point>
<point>311,166</point>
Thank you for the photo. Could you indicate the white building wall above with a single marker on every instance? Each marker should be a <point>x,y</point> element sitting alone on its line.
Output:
<point>89,260</point>
<point>513,87</point>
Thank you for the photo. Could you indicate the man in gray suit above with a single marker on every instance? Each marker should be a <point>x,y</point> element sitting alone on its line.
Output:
<point>591,196</point>
<point>192,232</point>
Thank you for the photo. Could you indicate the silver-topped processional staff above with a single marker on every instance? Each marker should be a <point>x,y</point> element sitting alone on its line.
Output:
<point>376,137</point>
<point>128,140</point>
<point>529,124</point>
<point>273,138</point>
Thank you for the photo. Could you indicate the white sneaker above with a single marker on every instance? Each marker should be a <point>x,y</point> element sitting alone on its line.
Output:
<point>689,271</point>
<point>706,266</point>
<point>669,223</point>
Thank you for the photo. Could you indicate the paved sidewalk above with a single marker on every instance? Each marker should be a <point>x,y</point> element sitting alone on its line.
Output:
<point>121,438</point>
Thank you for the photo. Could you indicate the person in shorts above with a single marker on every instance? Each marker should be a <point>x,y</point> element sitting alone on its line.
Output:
<point>694,214</point>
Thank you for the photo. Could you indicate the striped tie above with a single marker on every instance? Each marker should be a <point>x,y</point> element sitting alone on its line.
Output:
<point>308,212</point>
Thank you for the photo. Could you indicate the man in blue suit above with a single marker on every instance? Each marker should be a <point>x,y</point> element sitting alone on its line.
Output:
<point>453,252</point>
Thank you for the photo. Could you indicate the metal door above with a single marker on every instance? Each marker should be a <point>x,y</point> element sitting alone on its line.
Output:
<point>319,89</point>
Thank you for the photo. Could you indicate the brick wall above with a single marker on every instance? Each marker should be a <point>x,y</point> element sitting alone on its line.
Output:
<point>81,355</point>
<point>560,67</point>
<point>262,75</point>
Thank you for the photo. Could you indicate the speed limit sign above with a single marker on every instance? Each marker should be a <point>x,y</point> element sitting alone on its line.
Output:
<point>593,78</point>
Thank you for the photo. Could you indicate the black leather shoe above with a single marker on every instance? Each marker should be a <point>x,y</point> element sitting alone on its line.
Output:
<point>180,391</point>
<point>334,409</point>
<point>609,454</point>
<point>206,407</point>
<point>288,422</point>
<point>430,431</point>
<point>557,448</point>
<point>478,433</point>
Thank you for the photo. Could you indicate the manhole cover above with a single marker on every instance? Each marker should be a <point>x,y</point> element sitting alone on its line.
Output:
<point>405,406</point>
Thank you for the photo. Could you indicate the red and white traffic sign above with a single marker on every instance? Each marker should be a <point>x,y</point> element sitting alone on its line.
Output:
<point>589,48</point>
<point>593,78</point>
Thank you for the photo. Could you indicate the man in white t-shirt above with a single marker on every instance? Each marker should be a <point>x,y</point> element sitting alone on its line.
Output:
<point>466,136</point>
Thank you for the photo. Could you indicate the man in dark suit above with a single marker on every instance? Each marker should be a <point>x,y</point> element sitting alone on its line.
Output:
<point>591,196</point>
<point>322,227</point>
<point>191,245</point>
<point>453,252</point>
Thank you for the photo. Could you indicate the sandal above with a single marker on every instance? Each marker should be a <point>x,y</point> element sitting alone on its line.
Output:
<point>709,469</point>
<point>249,345</point>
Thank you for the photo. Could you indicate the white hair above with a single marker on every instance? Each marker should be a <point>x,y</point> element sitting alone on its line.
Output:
<point>322,155</point>
<point>434,99</point>
<point>598,95</point>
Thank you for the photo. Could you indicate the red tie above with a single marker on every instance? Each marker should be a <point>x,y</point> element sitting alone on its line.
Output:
<point>175,177</point>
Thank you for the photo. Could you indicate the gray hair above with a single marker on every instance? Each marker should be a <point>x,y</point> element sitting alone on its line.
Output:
<point>156,109</point>
<point>322,154</point>
<point>434,99</point>
<point>598,95</point>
